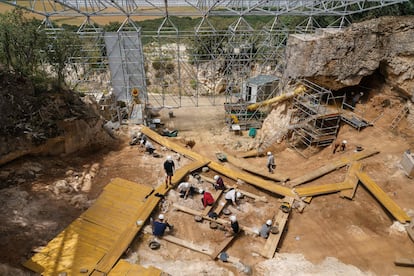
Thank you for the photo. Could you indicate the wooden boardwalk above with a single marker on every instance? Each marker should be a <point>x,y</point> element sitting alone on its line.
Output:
<point>273,240</point>
<point>95,241</point>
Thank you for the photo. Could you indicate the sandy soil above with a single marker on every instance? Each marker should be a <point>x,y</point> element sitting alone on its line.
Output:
<point>332,236</point>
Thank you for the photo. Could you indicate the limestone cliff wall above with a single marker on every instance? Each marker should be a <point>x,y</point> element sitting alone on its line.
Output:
<point>339,58</point>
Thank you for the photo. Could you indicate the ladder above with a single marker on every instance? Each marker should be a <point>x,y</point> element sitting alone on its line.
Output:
<point>399,117</point>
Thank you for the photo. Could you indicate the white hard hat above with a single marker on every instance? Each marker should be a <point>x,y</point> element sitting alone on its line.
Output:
<point>161,217</point>
<point>233,218</point>
<point>216,177</point>
<point>169,158</point>
<point>201,191</point>
<point>269,222</point>
<point>269,153</point>
<point>344,142</point>
<point>238,195</point>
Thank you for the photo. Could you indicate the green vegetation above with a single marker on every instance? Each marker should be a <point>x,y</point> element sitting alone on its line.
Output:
<point>25,48</point>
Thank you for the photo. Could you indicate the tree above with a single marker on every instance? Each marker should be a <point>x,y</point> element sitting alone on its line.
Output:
<point>20,43</point>
<point>60,48</point>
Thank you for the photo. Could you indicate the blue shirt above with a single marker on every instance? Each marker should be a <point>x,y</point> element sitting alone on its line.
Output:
<point>158,228</point>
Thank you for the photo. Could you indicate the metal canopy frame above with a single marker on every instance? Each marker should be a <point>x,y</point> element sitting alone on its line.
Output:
<point>231,54</point>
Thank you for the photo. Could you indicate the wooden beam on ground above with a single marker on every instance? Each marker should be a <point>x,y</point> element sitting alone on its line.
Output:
<point>404,262</point>
<point>220,206</point>
<point>323,189</point>
<point>383,198</point>
<point>246,177</point>
<point>181,242</point>
<point>273,240</point>
<point>333,165</point>
<point>352,179</point>
<point>223,245</point>
<point>187,244</point>
<point>216,195</point>
<point>250,153</point>
<point>126,268</point>
<point>264,173</point>
<point>246,193</point>
<point>182,172</point>
<point>169,143</point>
<point>259,182</point>
<point>218,220</point>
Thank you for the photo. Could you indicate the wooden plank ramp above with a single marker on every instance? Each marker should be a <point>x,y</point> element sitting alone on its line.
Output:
<point>323,189</point>
<point>383,198</point>
<point>126,268</point>
<point>246,193</point>
<point>182,172</point>
<point>273,240</point>
<point>218,220</point>
<point>93,238</point>
<point>333,165</point>
<point>270,186</point>
<point>352,179</point>
<point>142,214</point>
<point>222,246</point>
<point>276,176</point>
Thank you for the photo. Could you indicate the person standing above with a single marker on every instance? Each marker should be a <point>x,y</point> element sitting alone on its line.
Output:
<point>207,198</point>
<point>270,162</point>
<point>219,185</point>
<point>169,168</point>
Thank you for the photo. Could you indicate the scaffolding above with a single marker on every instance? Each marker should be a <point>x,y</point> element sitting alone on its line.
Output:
<point>207,62</point>
<point>317,116</point>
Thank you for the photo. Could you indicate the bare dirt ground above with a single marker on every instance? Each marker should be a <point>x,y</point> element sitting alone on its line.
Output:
<point>333,236</point>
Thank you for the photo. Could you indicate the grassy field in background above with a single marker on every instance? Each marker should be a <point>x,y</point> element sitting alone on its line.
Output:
<point>101,20</point>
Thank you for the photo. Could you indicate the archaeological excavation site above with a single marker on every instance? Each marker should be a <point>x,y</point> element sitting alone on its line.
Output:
<point>207,137</point>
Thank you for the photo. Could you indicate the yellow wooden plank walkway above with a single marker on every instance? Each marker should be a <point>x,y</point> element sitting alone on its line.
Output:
<point>273,240</point>
<point>323,189</point>
<point>270,186</point>
<point>125,268</point>
<point>95,234</point>
<point>383,198</point>
<point>243,164</point>
<point>333,165</point>
<point>352,178</point>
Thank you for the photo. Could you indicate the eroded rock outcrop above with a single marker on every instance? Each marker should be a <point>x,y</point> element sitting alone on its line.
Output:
<point>339,58</point>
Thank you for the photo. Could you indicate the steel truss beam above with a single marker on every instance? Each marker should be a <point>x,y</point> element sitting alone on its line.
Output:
<point>229,55</point>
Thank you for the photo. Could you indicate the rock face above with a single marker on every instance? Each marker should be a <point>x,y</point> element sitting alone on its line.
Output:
<point>337,58</point>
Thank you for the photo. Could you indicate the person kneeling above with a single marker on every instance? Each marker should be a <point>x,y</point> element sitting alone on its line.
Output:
<point>207,198</point>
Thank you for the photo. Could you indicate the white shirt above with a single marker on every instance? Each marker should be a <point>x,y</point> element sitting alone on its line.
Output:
<point>183,187</point>
<point>231,195</point>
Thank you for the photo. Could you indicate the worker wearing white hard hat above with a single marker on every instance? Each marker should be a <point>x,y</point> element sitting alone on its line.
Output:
<point>232,197</point>
<point>219,183</point>
<point>265,230</point>
<point>270,162</point>
<point>159,226</point>
<point>169,168</point>
<point>234,224</point>
<point>185,189</point>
